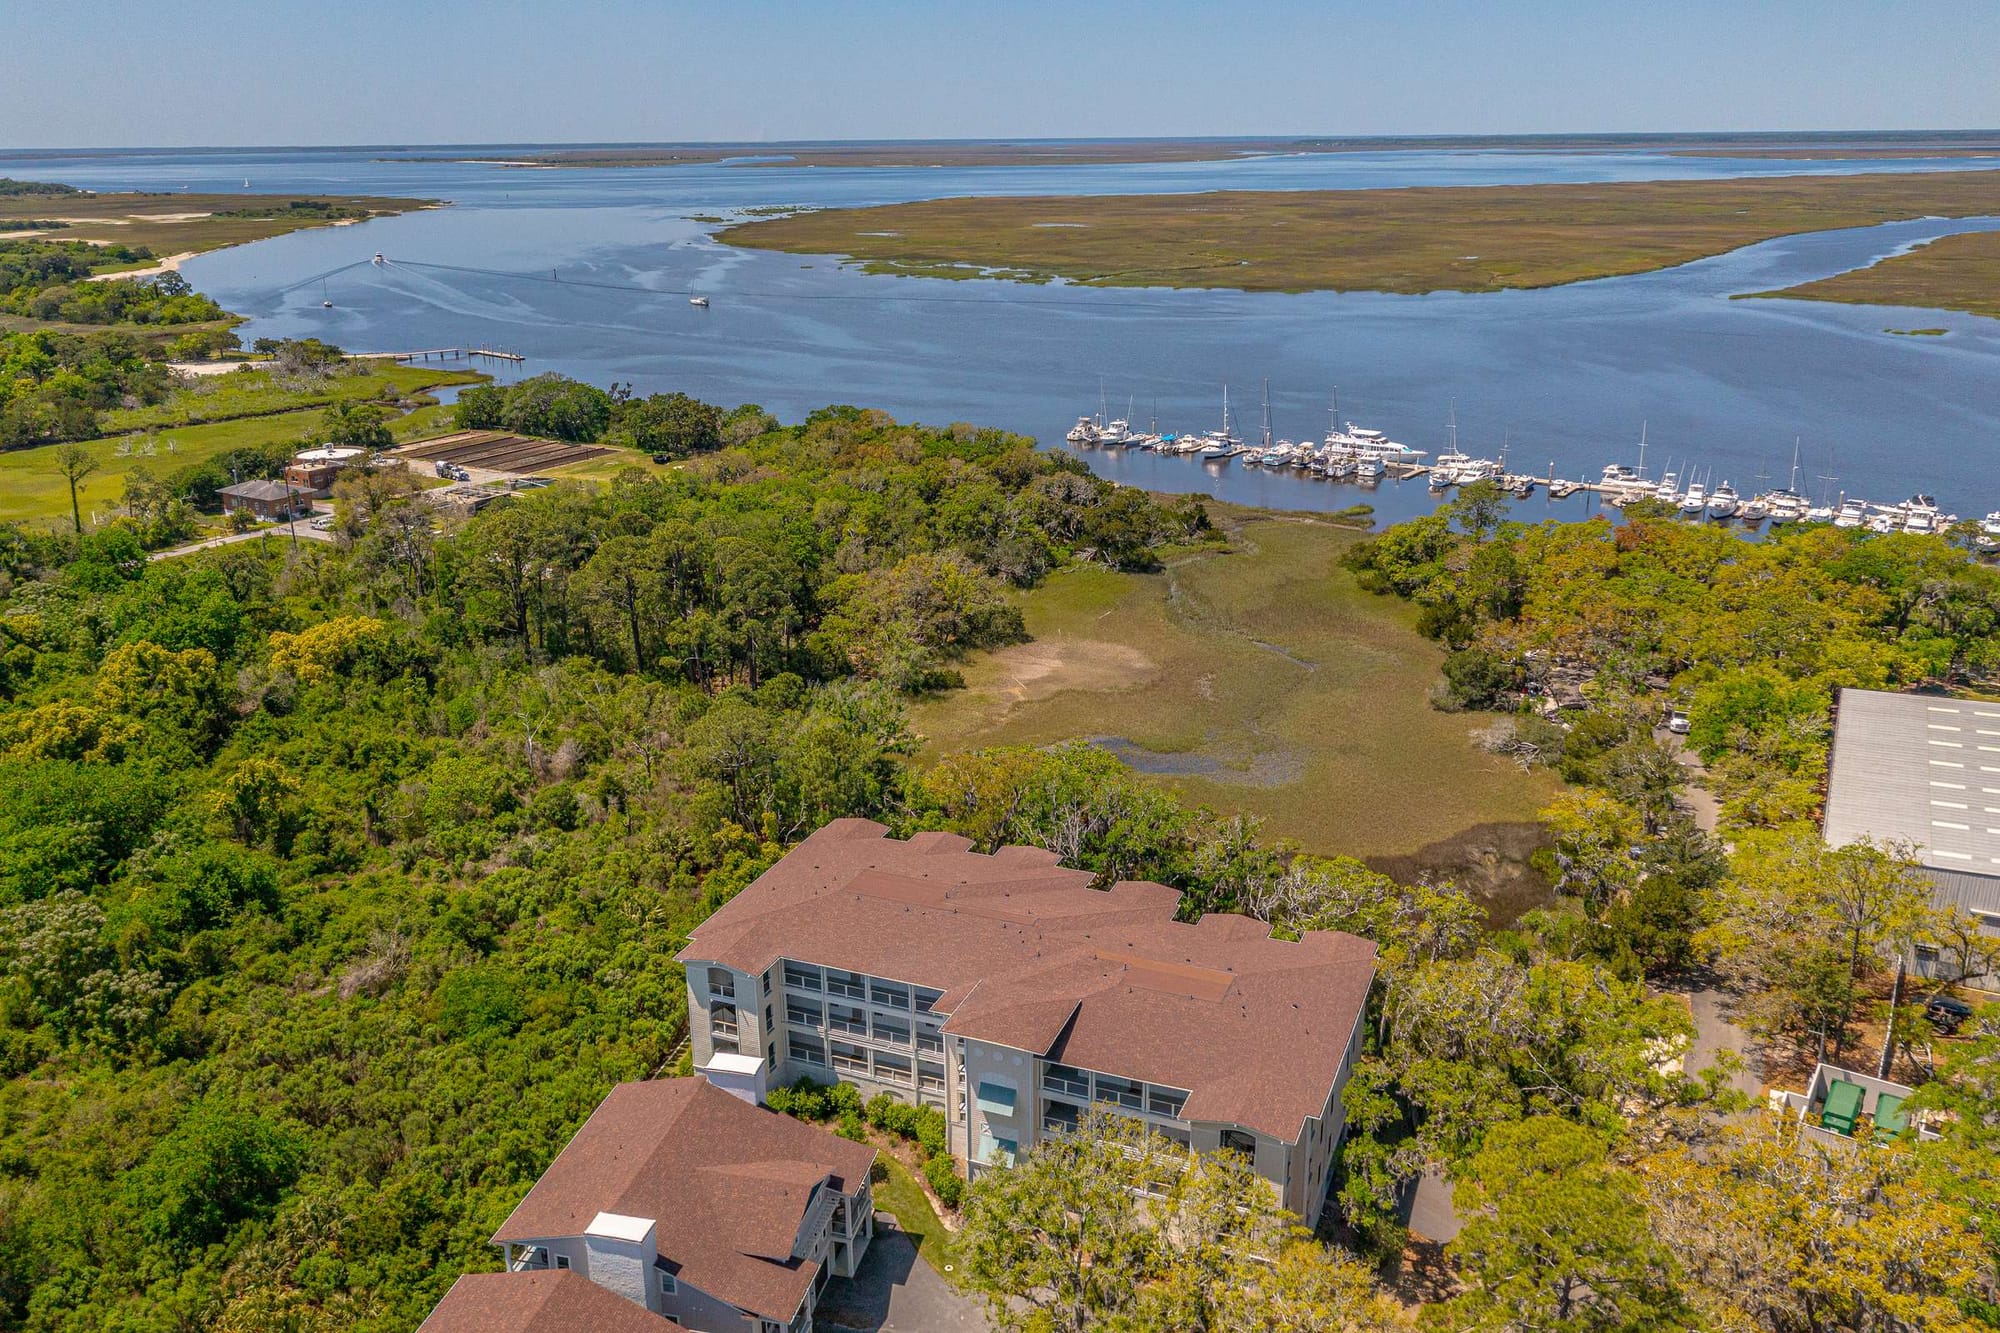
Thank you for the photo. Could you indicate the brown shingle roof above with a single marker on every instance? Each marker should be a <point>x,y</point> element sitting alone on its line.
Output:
<point>1030,956</point>
<point>726,1185</point>
<point>258,490</point>
<point>545,1301</point>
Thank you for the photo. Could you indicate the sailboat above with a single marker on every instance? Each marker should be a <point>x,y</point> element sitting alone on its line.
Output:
<point>326,302</point>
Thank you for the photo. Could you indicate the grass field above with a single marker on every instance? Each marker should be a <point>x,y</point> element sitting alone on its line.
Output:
<point>1261,681</point>
<point>1475,239</point>
<point>171,224</point>
<point>32,491</point>
<point>253,392</point>
<point>1951,273</point>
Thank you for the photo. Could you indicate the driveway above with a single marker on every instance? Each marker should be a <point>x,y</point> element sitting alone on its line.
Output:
<point>1714,1033</point>
<point>282,532</point>
<point>896,1292</point>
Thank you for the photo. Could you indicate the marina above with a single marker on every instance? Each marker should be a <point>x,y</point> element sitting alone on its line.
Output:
<point>1365,458</point>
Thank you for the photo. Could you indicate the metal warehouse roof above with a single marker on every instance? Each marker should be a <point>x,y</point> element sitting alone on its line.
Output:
<point>1921,769</point>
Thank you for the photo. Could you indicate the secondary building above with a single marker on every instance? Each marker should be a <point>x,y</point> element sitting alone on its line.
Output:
<point>1013,996</point>
<point>272,501</point>
<point>686,1205</point>
<point>1923,770</point>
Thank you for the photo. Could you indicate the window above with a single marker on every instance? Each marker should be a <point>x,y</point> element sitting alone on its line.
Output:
<point>1235,1140</point>
<point>893,1032</point>
<point>843,1019</point>
<point>1166,1102</point>
<point>889,995</point>
<point>562,1261</point>
<point>930,1078</point>
<point>806,1012</point>
<point>1177,1135</point>
<point>722,1020</point>
<point>853,1059</point>
<point>993,1148</point>
<point>1063,1079</point>
<point>930,1039</point>
<point>1060,1117</point>
<point>892,1068</point>
<point>800,977</point>
<point>667,1284</point>
<point>1118,1092</point>
<point>721,984</point>
<point>807,1050</point>
<point>767,983</point>
<point>927,998</point>
<point>845,983</point>
<point>767,1016</point>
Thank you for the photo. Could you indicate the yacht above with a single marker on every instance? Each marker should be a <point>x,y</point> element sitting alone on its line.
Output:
<point>1988,539</point>
<point>1921,515</point>
<point>1818,514</point>
<point>699,302</point>
<point>1696,499</point>
<point>1668,491</point>
<point>1340,466</point>
<point>1444,472</point>
<point>1117,431</point>
<point>1756,510</point>
<point>1215,446</point>
<point>1370,468</point>
<point>1084,431</point>
<point>1722,501</point>
<point>1850,514</point>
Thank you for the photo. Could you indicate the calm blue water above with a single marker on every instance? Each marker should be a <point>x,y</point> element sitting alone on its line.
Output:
<point>586,271</point>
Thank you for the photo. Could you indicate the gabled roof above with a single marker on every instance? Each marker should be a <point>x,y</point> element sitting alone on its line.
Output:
<point>1029,955</point>
<point>544,1301</point>
<point>727,1185</point>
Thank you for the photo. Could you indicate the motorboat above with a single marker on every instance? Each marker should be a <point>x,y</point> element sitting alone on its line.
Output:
<point>1370,469</point>
<point>1850,514</point>
<point>1117,431</point>
<point>1723,501</point>
<point>1988,539</point>
<point>1755,510</point>
<point>1696,499</point>
<point>699,302</point>
<point>1084,431</point>
<point>1920,515</point>
<point>1668,491</point>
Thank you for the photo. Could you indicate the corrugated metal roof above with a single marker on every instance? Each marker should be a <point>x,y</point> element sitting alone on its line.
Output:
<point>1921,769</point>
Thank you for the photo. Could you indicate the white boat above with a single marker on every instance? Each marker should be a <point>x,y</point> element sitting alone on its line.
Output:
<point>1668,491</point>
<point>1084,431</point>
<point>1370,469</point>
<point>1696,499</point>
<point>1850,514</point>
<point>1340,466</point>
<point>1988,539</point>
<point>1723,501</point>
<point>1217,446</point>
<point>1480,469</point>
<point>698,301</point>
<point>1818,514</point>
<point>1756,510</point>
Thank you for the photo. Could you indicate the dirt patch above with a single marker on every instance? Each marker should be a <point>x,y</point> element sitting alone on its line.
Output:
<point>1029,671</point>
<point>1488,861</point>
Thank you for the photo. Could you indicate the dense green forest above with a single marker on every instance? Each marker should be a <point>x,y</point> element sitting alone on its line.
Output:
<point>339,884</point>
<point>49,280</point>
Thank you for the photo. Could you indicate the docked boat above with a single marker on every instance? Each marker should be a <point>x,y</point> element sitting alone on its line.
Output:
<point>1696,499</point>
<point>1723,501</point>
<point>1084,431</point>
<point>1340,466</point>
<point>1850,514</point>
<point>1755,510</point>
<point>1370,468</point>
<point>1988,539</point>
<point>1669,489</point>
<point>1785,506</point>
<point>1116,431</point>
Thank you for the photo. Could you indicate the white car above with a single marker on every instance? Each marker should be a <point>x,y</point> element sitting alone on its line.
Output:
<point>322,523</point>
<point>1677,722</point>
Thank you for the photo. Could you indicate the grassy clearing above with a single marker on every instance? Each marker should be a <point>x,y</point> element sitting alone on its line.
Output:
<point>245,393</point>
<point>32,491</point>
<point>1262,681</point>
<point>1959,272</point>
<point>171,224</point>
<point>1473,239</point>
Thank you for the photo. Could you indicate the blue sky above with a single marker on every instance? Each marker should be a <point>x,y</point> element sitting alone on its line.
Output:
<point>127,72</point>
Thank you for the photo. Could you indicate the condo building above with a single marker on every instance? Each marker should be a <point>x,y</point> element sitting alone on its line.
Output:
<point>677,1206</point>
<point>1014,997</point>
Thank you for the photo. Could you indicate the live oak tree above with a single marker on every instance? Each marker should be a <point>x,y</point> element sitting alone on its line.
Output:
<point>1555,1239</point>
<point>1113,1228</point>
<point>1805,925</point>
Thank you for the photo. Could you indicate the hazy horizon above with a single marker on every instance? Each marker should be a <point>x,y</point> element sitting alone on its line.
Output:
<point>229,73</point>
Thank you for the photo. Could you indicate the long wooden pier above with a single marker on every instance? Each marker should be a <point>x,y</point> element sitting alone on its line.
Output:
<point>451,354</point>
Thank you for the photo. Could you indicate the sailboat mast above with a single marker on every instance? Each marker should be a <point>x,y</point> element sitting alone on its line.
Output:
<point>1642,450</point>
<point>1267,414</point>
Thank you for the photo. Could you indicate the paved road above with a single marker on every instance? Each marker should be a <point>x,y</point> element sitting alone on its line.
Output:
<point>896,1292</point>
<point>1714,1033</point>
<point>306,533</point>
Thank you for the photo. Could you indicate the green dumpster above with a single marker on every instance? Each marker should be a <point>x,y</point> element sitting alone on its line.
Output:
<point>1843,1105</point>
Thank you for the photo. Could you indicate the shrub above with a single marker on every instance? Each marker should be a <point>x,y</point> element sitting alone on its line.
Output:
<point>944,1179</point>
